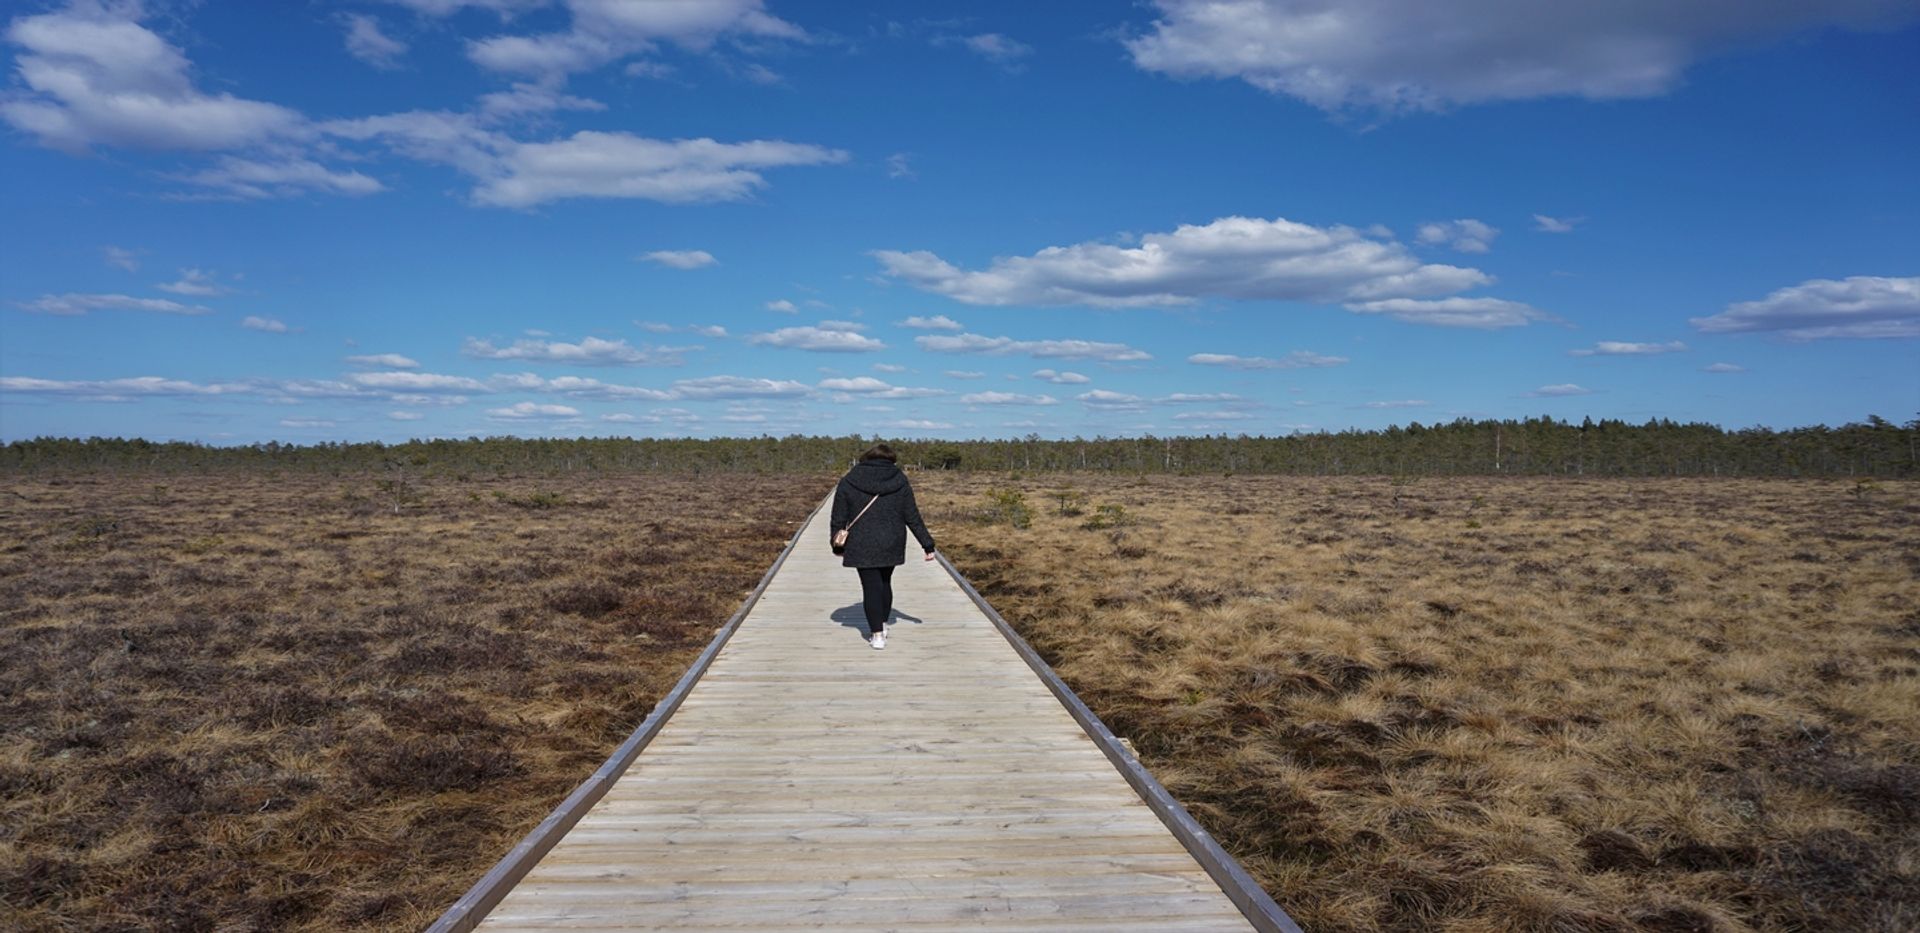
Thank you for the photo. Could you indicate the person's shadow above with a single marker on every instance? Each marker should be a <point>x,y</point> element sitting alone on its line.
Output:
<point>855,617</point>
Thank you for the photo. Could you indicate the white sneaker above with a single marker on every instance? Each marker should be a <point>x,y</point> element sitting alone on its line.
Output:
<point>878,639</point>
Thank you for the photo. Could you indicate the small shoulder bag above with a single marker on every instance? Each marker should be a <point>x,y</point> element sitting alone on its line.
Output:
<point>840,537</point>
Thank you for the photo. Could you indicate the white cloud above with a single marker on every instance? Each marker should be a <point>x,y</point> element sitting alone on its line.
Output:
<point>1006,52</point>
<point>414,398</point>
<point>920,424</point>
<point>713,331</point>
<point>889,368</point>
<point>95,76</point>
<point>1486,313</point>
<point>121,389</point>
<point>1400,55</point>
<point>657,70</point>
<point>604,31</point>
<point>936,322</point>
<point>1722,368</point>
<point>1111,401</point>
<point>1196,398</point>
<point>194,282</point>
<point>759,74</point>
<point>251,179</point>
<point>455,139</point>
<point>308,423</point>
<point>591,351</point>
<point>1045,349</point>
<point>899,165</point>
<point>1858,306</point>
<point>74,304</point>
<point>1223,415</point>
<point>1060,378</point>
<point>1298,359</point>
<point>417,382</point>
<point>533,97</point>
<point>448,7</point>
<point>1007,398</point>
<point>1466,235</point>
<point>868,387</point>
<point>621,165</point>
<point>827,337</point>
<point>367,43</point>
<point>405,415</point>
<point>1545,224</point>
<point>710,387</point>
<point>1399,403</point>
<point>1233,257</point>
<point>963,374</point>
<point>270,325</point>
<point>589,164</point>
<point>507,382</point>
<point>782,305</point>
<point>1623,348</point>
<point>1559,391</point>
<point>118,258</point>
<point>682,258</point>
<point>621,417</point>
<point>521,411</point>
<point>584,388</point>
<point>856,384</point>
<point>384,360</point>
<point>298,389</point>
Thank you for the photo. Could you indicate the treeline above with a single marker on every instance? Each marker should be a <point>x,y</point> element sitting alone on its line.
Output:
<point>1535,446</point>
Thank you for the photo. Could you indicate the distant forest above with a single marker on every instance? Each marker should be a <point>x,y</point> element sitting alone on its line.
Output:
<point>1534,446</point>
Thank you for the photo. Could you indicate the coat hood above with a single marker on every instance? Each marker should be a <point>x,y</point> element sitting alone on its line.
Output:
<point>876,477</point>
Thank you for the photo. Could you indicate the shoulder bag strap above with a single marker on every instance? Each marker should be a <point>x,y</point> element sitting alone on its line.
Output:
<point>863,510</point>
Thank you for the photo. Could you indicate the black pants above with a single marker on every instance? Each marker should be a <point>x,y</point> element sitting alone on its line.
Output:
<point>876,596</point>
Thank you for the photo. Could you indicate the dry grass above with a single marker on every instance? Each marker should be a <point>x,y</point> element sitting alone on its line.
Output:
<point>250,703</point>
<point>1498,704</point>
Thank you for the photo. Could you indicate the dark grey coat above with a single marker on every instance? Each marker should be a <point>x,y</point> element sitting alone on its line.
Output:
<point>879,538</point>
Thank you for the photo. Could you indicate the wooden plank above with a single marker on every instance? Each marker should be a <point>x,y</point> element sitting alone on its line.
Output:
<point>874,913</point>
<point>941,865</point>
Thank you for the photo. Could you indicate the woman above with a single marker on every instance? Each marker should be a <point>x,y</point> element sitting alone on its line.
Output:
<point>875,504</point>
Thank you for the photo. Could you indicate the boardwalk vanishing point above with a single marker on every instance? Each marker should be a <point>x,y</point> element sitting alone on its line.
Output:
<point>797,779</point>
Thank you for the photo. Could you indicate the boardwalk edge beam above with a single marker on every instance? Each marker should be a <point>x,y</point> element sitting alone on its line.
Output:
<point>473,906</point>
<point>1259,907</point>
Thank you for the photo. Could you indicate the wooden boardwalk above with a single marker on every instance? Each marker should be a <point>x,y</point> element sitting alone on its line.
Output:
<point>807,781</point>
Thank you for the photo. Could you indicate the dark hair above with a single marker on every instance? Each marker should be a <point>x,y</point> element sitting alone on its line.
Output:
<point>880,451</point>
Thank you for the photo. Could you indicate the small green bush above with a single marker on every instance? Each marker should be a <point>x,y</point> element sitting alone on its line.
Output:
<point>1010,506</point>
<point>535,500</point>
<point>1072,502</point>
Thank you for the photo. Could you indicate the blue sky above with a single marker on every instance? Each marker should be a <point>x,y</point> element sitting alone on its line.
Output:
<point>236,222</point>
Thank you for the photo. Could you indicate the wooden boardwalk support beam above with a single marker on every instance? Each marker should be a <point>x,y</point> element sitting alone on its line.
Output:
<point>798,779</point>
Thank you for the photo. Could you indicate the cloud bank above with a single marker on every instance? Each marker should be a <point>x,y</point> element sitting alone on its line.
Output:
<point>1245,258</point>
<point>1864,306</point>
<point>1412,55</point>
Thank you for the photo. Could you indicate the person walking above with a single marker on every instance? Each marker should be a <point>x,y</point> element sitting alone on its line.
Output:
<point>874,505</point>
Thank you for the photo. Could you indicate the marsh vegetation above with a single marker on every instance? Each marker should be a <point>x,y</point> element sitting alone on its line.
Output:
<point>319,701</point>
<point>1496,704</point>
<point>249,702</point>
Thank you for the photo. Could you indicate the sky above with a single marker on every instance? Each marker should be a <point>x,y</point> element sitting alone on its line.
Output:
<point>235,222</point>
